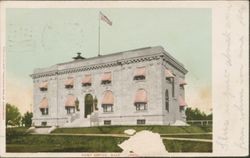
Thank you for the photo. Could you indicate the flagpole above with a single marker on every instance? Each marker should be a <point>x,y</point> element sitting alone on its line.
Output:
<point>99,35</point>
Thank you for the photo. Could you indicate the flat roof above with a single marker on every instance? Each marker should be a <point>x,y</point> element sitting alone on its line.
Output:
<point>123,55</point>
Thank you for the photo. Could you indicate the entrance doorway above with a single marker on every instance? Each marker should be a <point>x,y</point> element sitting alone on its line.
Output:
<point>88,105</point>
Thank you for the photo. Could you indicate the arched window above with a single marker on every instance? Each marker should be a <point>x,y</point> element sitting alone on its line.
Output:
<point>141,100</point>
<point>108,101</point>
<point>167,100</point>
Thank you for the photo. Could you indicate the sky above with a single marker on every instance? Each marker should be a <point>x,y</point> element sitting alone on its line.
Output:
<point>37,38</point>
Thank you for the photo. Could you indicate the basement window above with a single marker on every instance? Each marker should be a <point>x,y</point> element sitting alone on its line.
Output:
<point>107,122</point>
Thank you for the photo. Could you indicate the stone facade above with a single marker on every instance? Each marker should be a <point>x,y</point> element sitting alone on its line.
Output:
<point>160,108</point>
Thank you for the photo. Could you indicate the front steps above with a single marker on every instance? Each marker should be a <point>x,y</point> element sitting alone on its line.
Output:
<point>41,130</point>
<point>81,121</point>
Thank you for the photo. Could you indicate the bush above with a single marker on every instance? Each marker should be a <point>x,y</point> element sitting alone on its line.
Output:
<point>14,133</point>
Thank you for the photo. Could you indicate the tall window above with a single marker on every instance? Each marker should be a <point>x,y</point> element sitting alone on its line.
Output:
<point>166,100</point>
<point>44,106</point>
<point>108,101</point>
<point>140,100</point>
<point>173,88</point>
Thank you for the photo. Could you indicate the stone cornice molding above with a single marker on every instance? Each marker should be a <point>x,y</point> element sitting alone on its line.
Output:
<point>173,63</point>
<point>97,66</point>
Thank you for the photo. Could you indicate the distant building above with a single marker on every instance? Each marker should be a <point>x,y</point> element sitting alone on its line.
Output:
<point>135,87</point>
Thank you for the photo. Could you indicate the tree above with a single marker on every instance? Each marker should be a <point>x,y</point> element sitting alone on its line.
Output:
<point>196,114</point>
<point>13,116</point>
<point>27,119</point>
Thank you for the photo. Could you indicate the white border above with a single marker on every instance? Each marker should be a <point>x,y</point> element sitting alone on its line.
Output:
<point>230,83</point>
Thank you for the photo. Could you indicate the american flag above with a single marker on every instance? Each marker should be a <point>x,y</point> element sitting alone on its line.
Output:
<point>104,18</point>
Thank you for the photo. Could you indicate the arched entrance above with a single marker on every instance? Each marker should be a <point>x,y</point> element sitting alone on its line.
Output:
<point>88,105</point>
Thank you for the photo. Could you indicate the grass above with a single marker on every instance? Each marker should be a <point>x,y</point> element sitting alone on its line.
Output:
<point>187,146</point>
<point>120,129</point>
<point>49,143</point>
<point>17,140</point>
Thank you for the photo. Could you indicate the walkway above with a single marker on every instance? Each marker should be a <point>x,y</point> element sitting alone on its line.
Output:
<point>126,136</point>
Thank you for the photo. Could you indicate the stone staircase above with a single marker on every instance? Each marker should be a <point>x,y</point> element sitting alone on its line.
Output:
<point>80,122</point>
<point>91,120</point>
<point>41,130</point>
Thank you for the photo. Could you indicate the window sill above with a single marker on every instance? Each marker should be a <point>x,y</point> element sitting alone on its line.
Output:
<point>45,115</point>
<point>136,81</point>
<point>139,111</point>
<point>86,86</point>
<point>108,84</point>
<point>71,114</point>
<point>109,112</point>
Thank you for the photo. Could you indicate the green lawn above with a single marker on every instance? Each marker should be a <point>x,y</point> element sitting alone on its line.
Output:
<point>187,146</point>
<point>19,141</point>
<point>120,129</point>
<point>49,143</point>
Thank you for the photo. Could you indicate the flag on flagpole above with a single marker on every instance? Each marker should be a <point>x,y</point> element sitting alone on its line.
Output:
<point>104,18</point>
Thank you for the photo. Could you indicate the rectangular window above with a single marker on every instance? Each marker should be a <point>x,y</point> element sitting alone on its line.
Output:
<point>107,108</point>
<point>44,123</point>
<point>45,111</point>
<point>86,84</point>
<point>181,86</point>
<point>107,122</point>
<point>139,78</point>
<point>140,106</point>
<point>106,82</point>
<point>140,73</point>
<point>181,108</point>
<point>69,86</point>
<point>70,110</point>
<point>43,89</point>
<point>141,122</point>
<point>169,80</point>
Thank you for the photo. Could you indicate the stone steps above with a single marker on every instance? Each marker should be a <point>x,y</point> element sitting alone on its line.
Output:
<point>41,130</point>
<point>81,122</point>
